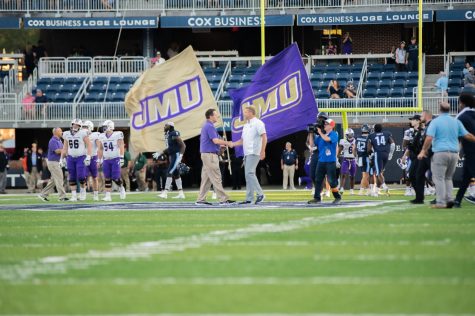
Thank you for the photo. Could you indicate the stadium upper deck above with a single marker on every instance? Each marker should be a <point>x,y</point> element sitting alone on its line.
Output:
<point>183,7</point>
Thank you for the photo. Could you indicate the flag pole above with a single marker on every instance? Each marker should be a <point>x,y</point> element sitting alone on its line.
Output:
<point>225,138</point>
<point>263,33</point>
<point>419,57</point>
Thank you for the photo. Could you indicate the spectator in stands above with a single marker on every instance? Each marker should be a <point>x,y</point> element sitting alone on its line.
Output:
<point>28,106</point>
<point>173,50</point>
<point>42,101</point>
<point>350,91</point>
<point>467,67</point>
<point>469,79</point>
<point>39,51</point>
<point>157,60</point>
<point>331,49</point>
<point>29,61</point>
<point>334,90</point>
<point>3,169</point>
<point>442,84</point>
<point>412,55</point>
<point>391,60</point>
<point>401,58</point>
<point>347,44</point>
<point>108,4</point>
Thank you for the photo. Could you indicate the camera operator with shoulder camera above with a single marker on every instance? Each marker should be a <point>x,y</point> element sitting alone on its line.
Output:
<point>326,143</point>
<point>311,141</point>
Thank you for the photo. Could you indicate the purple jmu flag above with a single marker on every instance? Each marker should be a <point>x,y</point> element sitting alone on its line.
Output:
<point>282,95</point>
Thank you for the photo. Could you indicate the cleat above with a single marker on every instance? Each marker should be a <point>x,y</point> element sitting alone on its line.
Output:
<point>470,199</point>
<point>107,199</point>
<point>82,195</point>
<point>73,199</point>
<point>163,195</point>
<point>416,202</point>
<point>228,202</point>
<point>95,198</point>
<point>65,199</point>
<point>336,200</point>
<point>214,196</point>
<point>314,201</point>
<point>180,195</point>
<point>352,192</point>
<point>245,202</point>
<point>202,203</point>
<point>259,199</point>
<point>122,193</point>
<point>43,198</point>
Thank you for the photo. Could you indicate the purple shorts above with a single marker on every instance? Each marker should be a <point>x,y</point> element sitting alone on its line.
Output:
<point>76,168</point>
<point>92,168</point>
<point>348,166</point>
<point>111,168</point>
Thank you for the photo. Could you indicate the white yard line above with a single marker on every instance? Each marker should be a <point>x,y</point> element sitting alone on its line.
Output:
<point>62,264</point>
<point>452,281</point>
<point>258,314</point>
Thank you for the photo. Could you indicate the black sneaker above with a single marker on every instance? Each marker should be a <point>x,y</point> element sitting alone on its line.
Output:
<point>337,200</point>
<point>43,198</point>
<point>314,201</point>
<point>245,202</point>
<point>457,204</point>
<point>228,202</point>
<point>65,199</point>
<point>259,199</point>
<point>433,202</point>
<point>450,204</point>
<point>416,202</point>
<point>202,203</point>
<point>470,199</point>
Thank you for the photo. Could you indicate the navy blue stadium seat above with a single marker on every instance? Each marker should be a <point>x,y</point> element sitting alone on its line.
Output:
<point>246,79</point>
<point>319,68</point>
<point>390,67</point>
<point>91,97</point>
<point>387,75</point>
<point>372,84</point>
<point>412,75</point>
<point>457,74</point>
<point>382,92</point>
<point>56,81</point>
<point>225,96</point>
<point>63,97</point>
<point>99,81</point>
<point>408,93</point>
<point>322,94</point>
<point>400,75</point>
<point>317,76</point>
<point>385,84</point>
<point>374,75</point>
<point>376,67</point>
<point>52,89</point>
<point>369,93</point>
<point>411,83</point>
<point>399,83</point>
<point>97,87</point>
<point>343,76</point>
<point>454,91</point>
<point>355,76</point>
<point>455,82</point>
<point>71,80</point>
<point>396,93</point>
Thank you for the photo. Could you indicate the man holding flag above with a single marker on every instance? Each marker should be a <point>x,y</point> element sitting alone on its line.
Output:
<point>254,141</point>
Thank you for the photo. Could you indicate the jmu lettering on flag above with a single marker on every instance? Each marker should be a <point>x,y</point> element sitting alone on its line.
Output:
<point>282,95</point>
<point>175,91</point>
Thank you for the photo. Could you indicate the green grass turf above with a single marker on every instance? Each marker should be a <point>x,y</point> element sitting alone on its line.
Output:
<point>409,260</point>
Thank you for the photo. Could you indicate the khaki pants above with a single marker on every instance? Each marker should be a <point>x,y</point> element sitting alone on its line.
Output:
<point>57,180</point>
<point>289,172</point>
<point>443,167</point>
<point>33,179</point>
<point>211,175</point>
<point>140,175</point>
<point>124,175</point>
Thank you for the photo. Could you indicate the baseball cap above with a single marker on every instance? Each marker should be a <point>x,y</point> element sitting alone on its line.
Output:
<point>158,52</point>
<point>170,124</point>
<point>330,122</point>
<point>415,117</point>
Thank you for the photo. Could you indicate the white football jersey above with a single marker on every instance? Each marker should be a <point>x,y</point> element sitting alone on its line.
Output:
<point>347,147</point>
<point>76,145</point>
<point>93,137</point>
<point>110,144</point>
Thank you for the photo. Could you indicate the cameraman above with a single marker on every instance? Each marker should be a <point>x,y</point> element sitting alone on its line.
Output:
<point>311,141</point>
<point>326,142</point>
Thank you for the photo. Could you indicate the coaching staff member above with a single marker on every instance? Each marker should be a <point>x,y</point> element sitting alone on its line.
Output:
<point>326,143</point>
<point>210,173</point>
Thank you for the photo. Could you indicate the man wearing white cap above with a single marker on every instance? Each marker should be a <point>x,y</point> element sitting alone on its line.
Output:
<point>158,59</point>
<point>326,142</point>
<point>175,150</point>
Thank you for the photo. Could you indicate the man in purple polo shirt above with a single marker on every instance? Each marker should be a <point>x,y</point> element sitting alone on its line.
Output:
<point>55,146</point>
<point>210,173</point>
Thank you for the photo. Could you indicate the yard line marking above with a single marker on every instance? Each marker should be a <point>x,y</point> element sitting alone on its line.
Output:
<point>141,250</point>
<point>453,281</point>
<point>258,314</point>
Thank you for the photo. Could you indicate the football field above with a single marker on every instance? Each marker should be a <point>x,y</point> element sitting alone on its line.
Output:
<point>371,256</point>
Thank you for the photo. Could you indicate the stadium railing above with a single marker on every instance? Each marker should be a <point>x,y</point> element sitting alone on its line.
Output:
<point>122,6</point>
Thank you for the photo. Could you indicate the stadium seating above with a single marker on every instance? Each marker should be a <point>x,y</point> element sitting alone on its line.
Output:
<point>241,75</point>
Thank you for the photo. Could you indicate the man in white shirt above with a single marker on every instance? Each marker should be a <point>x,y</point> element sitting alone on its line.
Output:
<point>254,141</point>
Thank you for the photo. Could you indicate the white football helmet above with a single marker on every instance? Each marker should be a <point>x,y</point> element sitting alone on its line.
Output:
<point>89,126</point>
<point>349,133</point>
<point>401,164</point>
<point>76,122</point>
<point>108,126</point>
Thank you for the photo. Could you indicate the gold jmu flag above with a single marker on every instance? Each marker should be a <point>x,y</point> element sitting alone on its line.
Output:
<point>176,91</point>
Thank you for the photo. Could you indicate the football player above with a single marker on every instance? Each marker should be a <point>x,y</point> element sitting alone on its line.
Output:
<point>347,148</point>
<point>92,170</point>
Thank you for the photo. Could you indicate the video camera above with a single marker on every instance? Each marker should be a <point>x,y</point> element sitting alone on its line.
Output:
<point>321,118</point>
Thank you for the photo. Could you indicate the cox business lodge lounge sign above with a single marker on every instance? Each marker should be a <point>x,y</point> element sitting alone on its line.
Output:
<point>91,23</point>
<point>362,18</point>
<point>224,21</point>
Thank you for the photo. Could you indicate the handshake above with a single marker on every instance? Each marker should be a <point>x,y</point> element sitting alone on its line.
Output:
<point>229,144</point>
